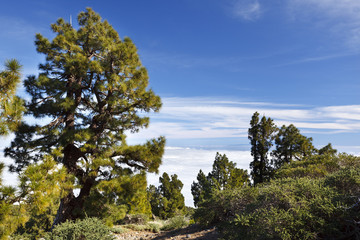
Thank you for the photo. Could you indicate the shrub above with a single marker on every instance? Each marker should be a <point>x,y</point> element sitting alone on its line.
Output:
<point>86,229</point>
<point>287,209</point>
<point>223,205</point>
<point>301,208</point>
<point>176,222</point>
<point>154,227</point>
<point>135,219</point>
<point>119,230</point>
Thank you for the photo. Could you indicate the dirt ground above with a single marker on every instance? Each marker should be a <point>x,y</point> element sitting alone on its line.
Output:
<point>189,233</point>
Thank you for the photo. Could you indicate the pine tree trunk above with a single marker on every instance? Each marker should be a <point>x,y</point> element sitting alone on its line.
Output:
<point>65,210</point>
<point>71,207</point>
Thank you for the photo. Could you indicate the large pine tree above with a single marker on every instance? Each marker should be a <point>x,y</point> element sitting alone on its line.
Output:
<point>91,92</point>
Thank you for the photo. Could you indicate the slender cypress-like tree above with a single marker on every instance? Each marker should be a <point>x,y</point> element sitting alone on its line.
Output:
<point>261,135</point>
<point>91,92</point>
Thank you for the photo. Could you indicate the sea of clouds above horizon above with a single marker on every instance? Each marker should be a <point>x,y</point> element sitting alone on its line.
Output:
<point>197,128</point>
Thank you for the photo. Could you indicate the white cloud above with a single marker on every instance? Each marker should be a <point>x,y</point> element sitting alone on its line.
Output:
<point>184,120</point>
<point>190,118</point>
<point>186,163</point>
<point>248,10</point>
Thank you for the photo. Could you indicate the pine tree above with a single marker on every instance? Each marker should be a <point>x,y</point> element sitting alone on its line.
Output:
<point>93,88</point>
<point>126,194</point>
<point>153,196</point>
<point>201,189</point>
<point>11,106</point>
<point>41,187</point>
<point>328,149</point>
<point>290,146</point>
<point>11,216</point>
<point>167,199</point>
<point>11,109</point>
<point>224,175</point>
<point>261,135</point>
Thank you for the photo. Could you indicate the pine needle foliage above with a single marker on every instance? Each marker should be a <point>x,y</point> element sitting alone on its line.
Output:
<point>92,90</point>
<point>11,110</point>
<point>11,106</point>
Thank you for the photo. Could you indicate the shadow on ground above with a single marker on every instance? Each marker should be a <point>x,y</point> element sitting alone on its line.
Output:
<point>193,232</point>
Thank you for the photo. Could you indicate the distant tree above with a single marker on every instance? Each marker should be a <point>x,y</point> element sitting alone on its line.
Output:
<point>328,149</point>
<point>261,135</point>
<point>172,199</point>
<point>11,106</point>
<point>167,200</point>
<point>92,88</point>
<point>153,195</point>
<point>201,189</point>
<point>224,175</point>
<point>290,146</point>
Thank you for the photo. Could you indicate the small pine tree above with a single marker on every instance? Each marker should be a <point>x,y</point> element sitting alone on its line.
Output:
<point>11,109</point>
<point>224,175</point>
<point>290,146</point>
<point>328,149</point>
<point>167,200</point>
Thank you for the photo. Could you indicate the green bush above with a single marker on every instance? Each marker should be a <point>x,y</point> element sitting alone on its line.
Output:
<point>119,230</point>
<point>154,227</point>
<point>290,208</point>
<point>176,222</point>
<point>86,229</point>
<point>24,236</point>
<point>223,205</point>
<point>135,219</point>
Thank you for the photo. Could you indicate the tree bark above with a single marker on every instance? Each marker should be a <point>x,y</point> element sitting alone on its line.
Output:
<point>71,207</point>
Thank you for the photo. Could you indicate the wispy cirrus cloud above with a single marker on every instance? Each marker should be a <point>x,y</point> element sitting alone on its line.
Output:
<point>190,118</point>
<point>248,10</point>
<point>341,18</point>
<point>319,58</point>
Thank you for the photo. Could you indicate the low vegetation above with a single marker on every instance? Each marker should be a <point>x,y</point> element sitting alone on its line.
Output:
<point>88,228</point>
<point>292,206</point>
<point>155,226</point>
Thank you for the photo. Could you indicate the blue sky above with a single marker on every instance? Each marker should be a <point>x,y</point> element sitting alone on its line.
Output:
<point>215,63</point>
